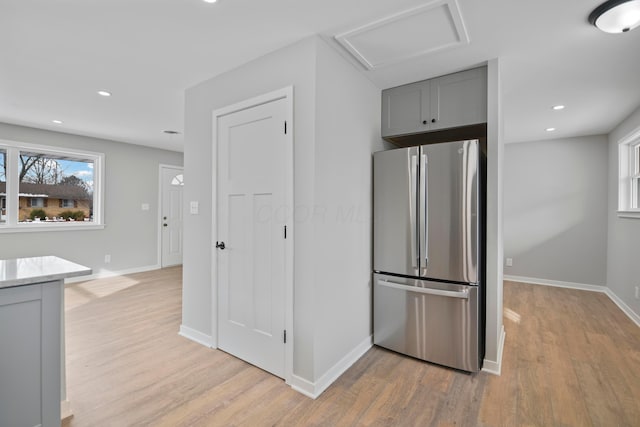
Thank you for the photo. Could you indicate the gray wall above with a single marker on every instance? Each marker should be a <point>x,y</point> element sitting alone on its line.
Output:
<point>555,215</point>
<point>347,132</point>
<point>623,270</point>
<point>295,66</point>
<point>336,127</point>
<point>131,178</point>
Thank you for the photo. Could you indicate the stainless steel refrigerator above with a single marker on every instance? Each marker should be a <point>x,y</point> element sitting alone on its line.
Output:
<point>428,252</point>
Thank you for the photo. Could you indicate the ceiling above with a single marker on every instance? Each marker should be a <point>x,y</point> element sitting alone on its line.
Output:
<point>55,56</point>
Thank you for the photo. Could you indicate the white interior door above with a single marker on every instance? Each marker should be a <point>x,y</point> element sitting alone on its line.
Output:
<point>251,181</point>
<point>172,182</point>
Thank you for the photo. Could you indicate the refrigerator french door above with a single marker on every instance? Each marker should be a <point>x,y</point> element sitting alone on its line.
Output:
<point>427,233</point>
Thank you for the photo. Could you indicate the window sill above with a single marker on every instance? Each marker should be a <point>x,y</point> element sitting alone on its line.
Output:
<point>33,227</point>
<point>629,214</point>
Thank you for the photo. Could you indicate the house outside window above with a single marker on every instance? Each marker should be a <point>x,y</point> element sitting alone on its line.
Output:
<point>49,188</point>
<point>629,176</point>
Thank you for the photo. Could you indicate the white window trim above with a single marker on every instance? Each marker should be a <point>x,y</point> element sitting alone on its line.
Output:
<point>12,149</point>
<point>626,173</point>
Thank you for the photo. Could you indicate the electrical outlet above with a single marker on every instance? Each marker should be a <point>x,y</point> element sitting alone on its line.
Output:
<point>509,262</point>
<point>107,259</point>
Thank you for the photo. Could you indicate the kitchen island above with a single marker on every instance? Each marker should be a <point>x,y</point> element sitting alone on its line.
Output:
<point>32,374</point>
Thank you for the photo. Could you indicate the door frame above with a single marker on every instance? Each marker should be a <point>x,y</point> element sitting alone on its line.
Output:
<point>161,167</point>
<point>287,94</point>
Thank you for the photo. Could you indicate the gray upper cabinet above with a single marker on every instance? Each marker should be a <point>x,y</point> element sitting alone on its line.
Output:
<point>404,109</point>
<point>453,100</point>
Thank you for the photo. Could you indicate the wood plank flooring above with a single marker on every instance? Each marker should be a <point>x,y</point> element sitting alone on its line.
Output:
<point>571,358</point>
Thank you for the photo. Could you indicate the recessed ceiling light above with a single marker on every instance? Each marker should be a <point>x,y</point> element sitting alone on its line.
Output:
<point>58,122</point>
<point>171,132</point>
<point>104,93</point>
<point>558,107</point>
<point>210,1</point>
<point>550,129</point>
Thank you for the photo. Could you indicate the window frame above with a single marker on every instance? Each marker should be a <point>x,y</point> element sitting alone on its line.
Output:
<point>629,175</point>
<point>12,225</point>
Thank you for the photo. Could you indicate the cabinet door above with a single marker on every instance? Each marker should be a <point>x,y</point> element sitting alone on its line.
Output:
<point>459,99</point>
<point>30,355</point>
<point>403,109</point>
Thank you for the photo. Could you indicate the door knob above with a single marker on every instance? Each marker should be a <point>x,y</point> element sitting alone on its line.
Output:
<point>220,245</point>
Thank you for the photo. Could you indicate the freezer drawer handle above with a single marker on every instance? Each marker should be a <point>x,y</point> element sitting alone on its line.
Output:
<point>453,294</point>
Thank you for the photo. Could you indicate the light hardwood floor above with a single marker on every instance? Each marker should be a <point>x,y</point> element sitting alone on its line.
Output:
<point>571,358</point>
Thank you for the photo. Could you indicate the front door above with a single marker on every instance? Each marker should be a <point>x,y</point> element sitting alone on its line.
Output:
<point>251,219</point>
<point>172,183</point>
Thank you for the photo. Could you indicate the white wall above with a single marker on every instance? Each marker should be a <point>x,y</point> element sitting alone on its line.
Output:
<point>336,127</point>
<point>494,331</point>
<point>130,235</point>
<point>347,132</point>
<point>623,269</point>
<point>555,218</point>
<point>294,65</point>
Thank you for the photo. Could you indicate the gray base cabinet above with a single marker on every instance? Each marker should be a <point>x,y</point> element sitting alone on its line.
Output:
<point>30,354</point>
<point>454,100</point>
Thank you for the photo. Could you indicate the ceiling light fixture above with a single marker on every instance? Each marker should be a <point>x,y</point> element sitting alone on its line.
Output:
<point>104,93</point>
<point>558,107</point>
<point>58,122</point>
<point>616,16</point>
<point>210,1</point>
<point>550,129</point>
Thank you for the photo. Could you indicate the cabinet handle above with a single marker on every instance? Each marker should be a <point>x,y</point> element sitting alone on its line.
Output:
<point>433,121</point>
<point>424,122</point>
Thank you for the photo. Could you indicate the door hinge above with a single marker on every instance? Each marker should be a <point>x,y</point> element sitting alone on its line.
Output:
<point>285,231</point>
<point>285,127</point>
<point>285,336</point>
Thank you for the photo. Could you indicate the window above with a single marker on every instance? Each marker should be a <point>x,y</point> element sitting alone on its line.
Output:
<point>36,202</point>
<point>49,188</point>
<point>635,176</point>
<point>3,185</point>
<point>629,176</point>
<point>178,180</point>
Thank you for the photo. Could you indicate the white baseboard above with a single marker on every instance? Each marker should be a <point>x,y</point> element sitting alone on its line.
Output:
<point>624,307</point>
<point>495,366</point>
<point>101,274</point>
<point>555,283</point>
<point>313,390</point>
<point>635,317</point>
<point>303,386</point>
<point>197,336</point>
<point>65,410</point>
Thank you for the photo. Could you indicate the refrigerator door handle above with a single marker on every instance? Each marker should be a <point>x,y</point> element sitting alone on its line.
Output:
<point>415,258</point>
<point>424,213</point>
<point>464,294</point>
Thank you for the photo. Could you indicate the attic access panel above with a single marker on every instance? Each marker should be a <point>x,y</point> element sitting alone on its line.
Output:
<point>416,32</point>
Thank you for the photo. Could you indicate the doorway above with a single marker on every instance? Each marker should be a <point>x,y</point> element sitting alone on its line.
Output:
<point>253,234</point>
<point>171,189</point>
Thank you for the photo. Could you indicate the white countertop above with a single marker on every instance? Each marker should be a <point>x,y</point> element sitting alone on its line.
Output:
<point>27,271</point>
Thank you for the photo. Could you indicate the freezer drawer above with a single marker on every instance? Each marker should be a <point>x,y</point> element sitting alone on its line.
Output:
<point>433,321</point>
